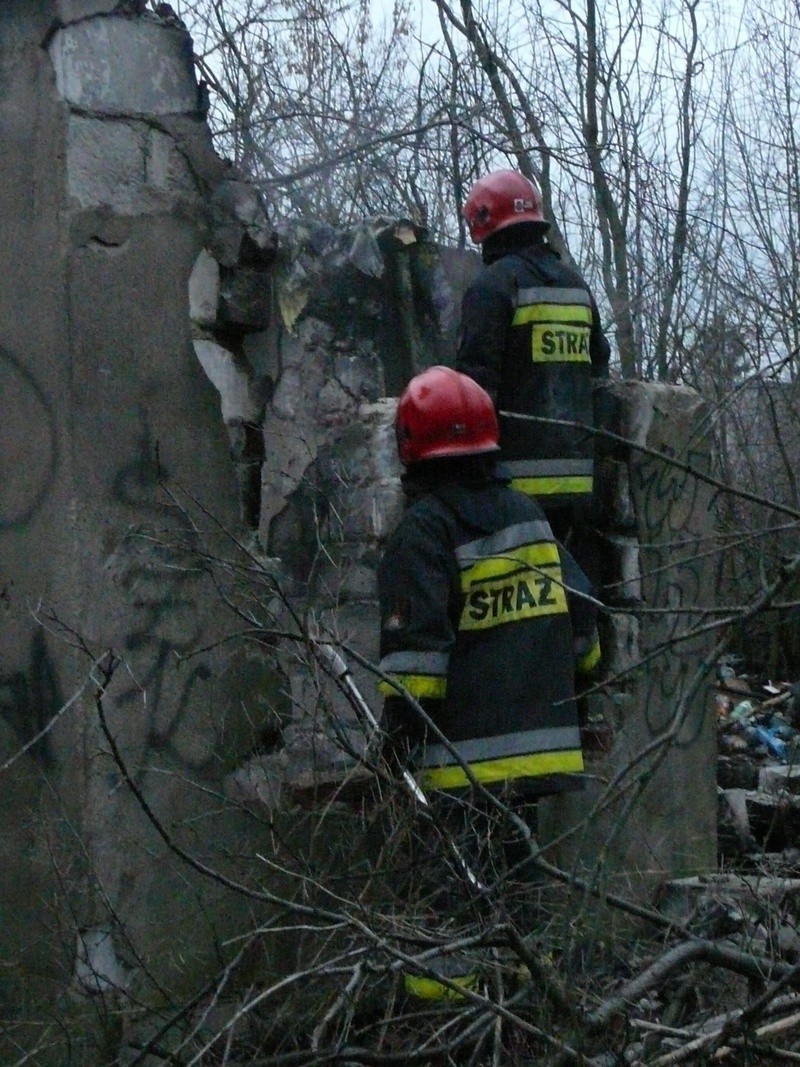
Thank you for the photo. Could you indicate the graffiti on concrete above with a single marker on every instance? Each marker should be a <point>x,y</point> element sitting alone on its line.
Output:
<point>29,440</point>
<point>31,696</point>
<point>670,492</point>
<point>672,510</point>
<point>160,578</point>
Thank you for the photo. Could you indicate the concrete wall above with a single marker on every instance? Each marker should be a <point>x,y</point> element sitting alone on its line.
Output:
<point>109,190</point>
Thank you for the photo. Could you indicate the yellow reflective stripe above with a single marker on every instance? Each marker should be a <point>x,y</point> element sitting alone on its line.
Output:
<point>418,685</point>
<point>550,486</point>
<point>504,770</point>
<point>433,989</point>
<point>590,660</point>
<point>574,357</point>
<point>554,313</point>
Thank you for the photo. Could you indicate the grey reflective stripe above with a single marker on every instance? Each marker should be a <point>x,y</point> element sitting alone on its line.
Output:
<point>524,743</point>
<point>545,295</point>
<point>547,468</point>
<point>511,537</point>
<point>415,663</point>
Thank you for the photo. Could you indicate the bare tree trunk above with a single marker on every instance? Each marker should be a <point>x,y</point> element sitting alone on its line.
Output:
<point>680,230</point>
<point>611,225</point>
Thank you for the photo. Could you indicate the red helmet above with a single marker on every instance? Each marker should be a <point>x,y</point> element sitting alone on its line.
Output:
<point>444,413</point>
<point>498,200</point>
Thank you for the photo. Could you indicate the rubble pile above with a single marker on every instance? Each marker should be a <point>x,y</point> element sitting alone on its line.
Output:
<point>758,768</point>
<point>721,982</point>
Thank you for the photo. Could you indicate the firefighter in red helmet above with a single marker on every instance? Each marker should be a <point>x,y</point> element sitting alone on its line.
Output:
<point>531,336</point>
<point>484,616</point>
<point>482,610</point>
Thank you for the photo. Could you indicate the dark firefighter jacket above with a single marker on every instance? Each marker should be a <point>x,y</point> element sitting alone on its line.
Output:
<point>531,336</point>
<point>480,626</point>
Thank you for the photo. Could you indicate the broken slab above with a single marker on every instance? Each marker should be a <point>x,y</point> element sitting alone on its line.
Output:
<point>735,801</point>
<point>621,644</point>
<point>768,821</point>
<point>737,772</point>
<point>774,820</point>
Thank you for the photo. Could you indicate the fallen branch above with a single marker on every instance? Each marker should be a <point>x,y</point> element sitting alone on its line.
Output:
<point>745,963</point>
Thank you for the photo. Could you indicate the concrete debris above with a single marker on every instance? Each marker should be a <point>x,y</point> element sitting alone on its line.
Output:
<point>293,294</point>
<point>380,235</point>
<point>365,253</point>
<point>310,768</point>
<point>241,232</point>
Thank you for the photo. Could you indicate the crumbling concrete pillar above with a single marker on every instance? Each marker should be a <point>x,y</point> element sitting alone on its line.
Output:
<point>650,808</point>
<point>112,445</point>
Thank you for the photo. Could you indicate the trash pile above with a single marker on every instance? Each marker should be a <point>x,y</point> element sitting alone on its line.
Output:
<point>724,985</point>
<point>758,767</point>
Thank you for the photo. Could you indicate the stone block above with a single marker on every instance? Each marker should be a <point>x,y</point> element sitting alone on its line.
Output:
<point>124,165</point>
<point>165,167</point>
<point>97,965</point>
<point>382,444</point>
<point>241,232</point>
<point>120,66</point>
<point>204,290</point>
<point>359,375</point>
<point>100,226</point>
<point>230,380</point>
<point>245,297</point>
<point>105,163</point>
<point>374,511</point>
<point>735,808</point>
